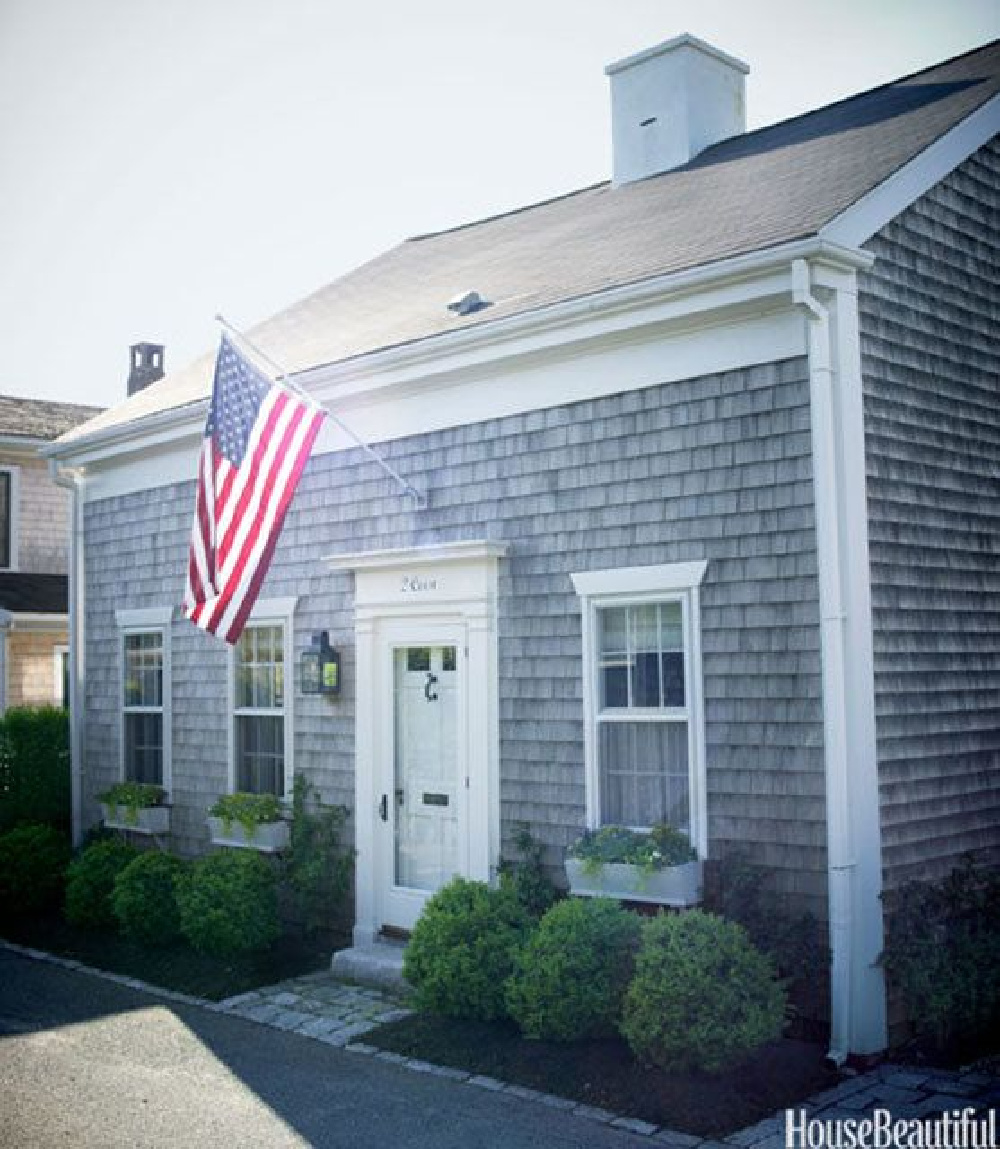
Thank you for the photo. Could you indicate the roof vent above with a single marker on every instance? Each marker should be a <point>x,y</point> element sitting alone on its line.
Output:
<point>467,303</point>
<point>145,365</point>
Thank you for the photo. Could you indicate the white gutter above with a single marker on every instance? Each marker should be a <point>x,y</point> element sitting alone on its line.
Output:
<point>857,997</point>
<point>73,481</point>
<point>365,372</point>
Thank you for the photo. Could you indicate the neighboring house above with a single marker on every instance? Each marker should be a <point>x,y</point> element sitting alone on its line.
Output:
<point>711,525</point>
<point>34,546</point>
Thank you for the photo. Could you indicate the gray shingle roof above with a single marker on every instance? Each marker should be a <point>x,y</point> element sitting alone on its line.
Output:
<point>40,418</point>
<point>771,186</point>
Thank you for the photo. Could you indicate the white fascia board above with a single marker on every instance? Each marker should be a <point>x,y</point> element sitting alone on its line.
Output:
<point>894,195</point>
<point>38,621</point>
<point>714,318</point>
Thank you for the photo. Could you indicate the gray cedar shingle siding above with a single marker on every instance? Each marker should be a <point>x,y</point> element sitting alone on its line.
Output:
<point>715,468</point>
<point>930,313</point>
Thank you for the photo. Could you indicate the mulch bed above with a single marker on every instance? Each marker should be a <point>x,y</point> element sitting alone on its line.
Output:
<point>176,967</point>
<point>605,1074</point>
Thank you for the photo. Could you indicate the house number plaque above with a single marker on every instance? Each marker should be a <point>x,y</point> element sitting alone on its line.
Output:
<point>418,584</point>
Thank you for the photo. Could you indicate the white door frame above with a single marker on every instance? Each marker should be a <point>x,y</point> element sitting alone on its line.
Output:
<point>397,591</point>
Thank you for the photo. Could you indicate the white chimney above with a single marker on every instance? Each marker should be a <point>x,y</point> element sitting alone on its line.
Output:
<point>671,102</point>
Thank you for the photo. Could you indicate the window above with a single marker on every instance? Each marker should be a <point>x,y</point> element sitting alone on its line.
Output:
<point>8,517</point>
<point>60,676</point>
<point>261,702</point>
<point>145,695</point>
<point>644,735</point>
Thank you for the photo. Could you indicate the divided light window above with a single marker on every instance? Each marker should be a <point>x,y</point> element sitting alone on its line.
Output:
<point>259,715</point>
<point>642,720</point>
<point>142,706</point>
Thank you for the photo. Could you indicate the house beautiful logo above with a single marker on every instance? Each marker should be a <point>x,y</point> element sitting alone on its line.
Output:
<point>954,1129</point>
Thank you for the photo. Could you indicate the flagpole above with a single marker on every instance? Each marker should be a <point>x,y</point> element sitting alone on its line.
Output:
<point>284,379</point>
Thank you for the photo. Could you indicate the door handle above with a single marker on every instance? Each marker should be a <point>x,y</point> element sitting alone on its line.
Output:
<point>429,693</point>
<point>383,808</point>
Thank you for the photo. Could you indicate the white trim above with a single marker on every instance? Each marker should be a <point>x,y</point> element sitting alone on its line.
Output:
<point>474,550</point>
<point>37,622</point>
<point>266,612</point>
<point>58,652</point>
<point>626,586</point>
<point>636,580</point>
<point>456,588</point>
<point>14,510</point>
<point>155,620</point>
<point>854,849</point>
<point>872,212</point>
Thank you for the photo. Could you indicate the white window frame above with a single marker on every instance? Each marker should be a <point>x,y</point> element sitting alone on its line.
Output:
<point>635,586</point>
<point>154,620</point>
<point>58,653</point>
<point>15,517</point>
<point>267,612</point>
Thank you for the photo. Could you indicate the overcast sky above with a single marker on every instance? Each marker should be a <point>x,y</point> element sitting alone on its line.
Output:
<point>162,160</point>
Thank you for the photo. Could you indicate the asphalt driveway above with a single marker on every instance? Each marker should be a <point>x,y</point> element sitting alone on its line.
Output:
<point>86,1062</point>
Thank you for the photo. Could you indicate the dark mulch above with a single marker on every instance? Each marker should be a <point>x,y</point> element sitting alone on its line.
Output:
<point>604,1073</point>
<point>176,967</point>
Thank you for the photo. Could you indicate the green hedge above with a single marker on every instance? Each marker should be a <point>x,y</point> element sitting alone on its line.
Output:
<point>34,767</point>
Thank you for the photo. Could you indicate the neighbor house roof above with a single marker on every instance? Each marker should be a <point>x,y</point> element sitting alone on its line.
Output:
<point>34,593</point>
<point>746,194</point>
<point>40,418</point>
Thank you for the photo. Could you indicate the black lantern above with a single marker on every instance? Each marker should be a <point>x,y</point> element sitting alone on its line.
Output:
<point>320,666</point>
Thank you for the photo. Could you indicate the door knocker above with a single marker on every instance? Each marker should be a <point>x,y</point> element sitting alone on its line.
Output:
<point>429,693</point>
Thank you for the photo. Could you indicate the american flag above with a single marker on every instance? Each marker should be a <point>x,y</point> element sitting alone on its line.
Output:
<point>257,440</point>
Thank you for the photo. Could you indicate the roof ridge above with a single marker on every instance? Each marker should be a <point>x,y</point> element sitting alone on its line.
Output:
<point>50,402</point>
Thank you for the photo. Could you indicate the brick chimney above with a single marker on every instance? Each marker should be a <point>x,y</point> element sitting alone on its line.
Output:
<point>671,102</point>
<point>145,365</point>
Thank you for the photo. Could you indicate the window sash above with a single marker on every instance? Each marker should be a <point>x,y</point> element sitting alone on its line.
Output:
<point>143,666</point>
<point>259,710</point>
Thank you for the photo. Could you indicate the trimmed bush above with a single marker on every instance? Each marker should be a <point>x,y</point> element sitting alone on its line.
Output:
<point>462,950</point>
<point>144,899</point>
<point>703,996</point>
<point>570,978</point>
<point>942,954</point>
<point>33,861</point>
<point>526,876</point>
<point>91,882</point>
<point>228,903</point>
<point>34,767</point>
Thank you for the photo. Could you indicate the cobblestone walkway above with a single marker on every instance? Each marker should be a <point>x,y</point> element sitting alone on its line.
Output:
<point>320,1007</point>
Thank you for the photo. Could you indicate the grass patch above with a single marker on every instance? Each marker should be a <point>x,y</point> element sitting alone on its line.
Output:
<point>605,1074</point>
<point>176,967</point>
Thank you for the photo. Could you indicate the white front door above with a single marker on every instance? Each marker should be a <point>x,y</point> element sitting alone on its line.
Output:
<point>422,808</point>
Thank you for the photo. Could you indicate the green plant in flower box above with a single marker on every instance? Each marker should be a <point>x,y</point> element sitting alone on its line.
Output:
<point>649,850</point>
<point>248,810</point>
<point>132,797</point>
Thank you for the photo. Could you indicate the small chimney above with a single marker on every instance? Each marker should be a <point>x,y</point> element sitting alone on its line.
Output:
<point>671,102</point>
<point>145,365</point>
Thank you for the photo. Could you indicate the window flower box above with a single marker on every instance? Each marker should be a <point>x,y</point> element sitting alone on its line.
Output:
<point>249,822</point>
<point>657,866</point>
<point>137,807</point>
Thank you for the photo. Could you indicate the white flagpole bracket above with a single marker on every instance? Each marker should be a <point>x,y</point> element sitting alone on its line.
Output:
<point>285,380</point>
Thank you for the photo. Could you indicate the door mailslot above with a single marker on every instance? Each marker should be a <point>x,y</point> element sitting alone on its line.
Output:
<point>435,799</point>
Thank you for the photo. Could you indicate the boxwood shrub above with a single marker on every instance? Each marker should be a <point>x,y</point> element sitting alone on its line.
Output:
<point>703,997</point>
<point>145,901</point>
<point>90,881</point>
<point>570,977</point>
<point>462,950</point>
<point>228,903</point>
<point>33,861</point>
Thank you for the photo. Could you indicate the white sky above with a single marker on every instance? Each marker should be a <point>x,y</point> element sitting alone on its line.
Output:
<point>162,160</point>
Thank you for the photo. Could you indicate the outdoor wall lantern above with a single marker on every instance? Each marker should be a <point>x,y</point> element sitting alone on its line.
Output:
<point>320,666</point>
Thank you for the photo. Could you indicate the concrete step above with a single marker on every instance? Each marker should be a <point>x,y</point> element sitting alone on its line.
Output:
<point>379,964</point>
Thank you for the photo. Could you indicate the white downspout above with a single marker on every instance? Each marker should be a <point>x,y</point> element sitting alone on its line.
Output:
<point>73,481</point>
<point>840,852</point>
